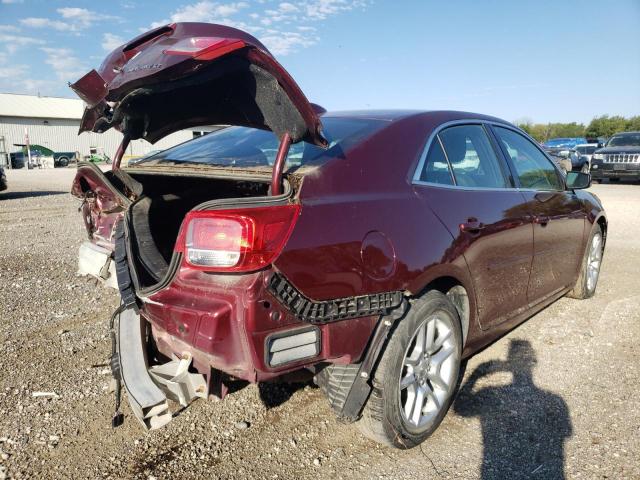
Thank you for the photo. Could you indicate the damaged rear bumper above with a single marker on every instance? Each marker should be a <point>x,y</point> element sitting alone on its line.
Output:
<point>148,388</point>
<point>97,261</point>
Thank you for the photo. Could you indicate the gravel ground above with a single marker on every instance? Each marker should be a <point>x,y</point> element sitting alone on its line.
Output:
<point>556,395</point>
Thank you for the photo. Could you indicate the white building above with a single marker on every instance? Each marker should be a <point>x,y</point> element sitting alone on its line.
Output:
<point>54,122</point>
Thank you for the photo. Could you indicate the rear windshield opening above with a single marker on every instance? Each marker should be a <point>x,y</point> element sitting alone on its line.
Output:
<point>243,147</point>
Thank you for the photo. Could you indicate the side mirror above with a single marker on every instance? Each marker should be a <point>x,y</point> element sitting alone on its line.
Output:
<point>578,180</point>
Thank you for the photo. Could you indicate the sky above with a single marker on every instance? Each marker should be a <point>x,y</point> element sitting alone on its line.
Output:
<point>542,61</point>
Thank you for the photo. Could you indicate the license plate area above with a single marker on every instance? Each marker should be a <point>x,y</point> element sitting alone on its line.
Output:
<point>620,166</point>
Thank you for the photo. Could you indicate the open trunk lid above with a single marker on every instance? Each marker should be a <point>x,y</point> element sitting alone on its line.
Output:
<point>189,74</point>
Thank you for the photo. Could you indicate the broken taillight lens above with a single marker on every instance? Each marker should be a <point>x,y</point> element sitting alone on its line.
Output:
<point>204,48</point>
<point>238,240</point>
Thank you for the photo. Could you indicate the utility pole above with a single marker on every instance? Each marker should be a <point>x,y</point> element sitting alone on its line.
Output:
<point>26,138</point>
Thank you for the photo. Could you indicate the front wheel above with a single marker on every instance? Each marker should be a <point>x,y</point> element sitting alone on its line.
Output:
<point>590,269</point>
<point>417,375</point>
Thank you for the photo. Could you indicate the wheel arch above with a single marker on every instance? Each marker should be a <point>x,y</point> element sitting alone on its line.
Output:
<point>602,222</point>
<point>460,295</point>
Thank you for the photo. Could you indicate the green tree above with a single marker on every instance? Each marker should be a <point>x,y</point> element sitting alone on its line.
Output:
<point>605,126</point>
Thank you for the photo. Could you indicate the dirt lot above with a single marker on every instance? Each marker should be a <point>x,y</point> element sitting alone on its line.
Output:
<point>557,394</point>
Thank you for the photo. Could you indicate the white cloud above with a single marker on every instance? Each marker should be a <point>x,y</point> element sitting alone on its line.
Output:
<point>39,22</point>
<point>321,9</point>
<point>74,19</point>
<point>65,64</point>
<point>284,27</point>
<point>9,28</point>
<point>287,7</point>
<point>111,41</point>
<point>12,43</point>
<point>205,11</point>
<point>284,43</point>
<point>14,71</point>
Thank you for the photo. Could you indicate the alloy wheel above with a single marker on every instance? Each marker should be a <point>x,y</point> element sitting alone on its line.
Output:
<point>428,372</point>
<point>593,261</point>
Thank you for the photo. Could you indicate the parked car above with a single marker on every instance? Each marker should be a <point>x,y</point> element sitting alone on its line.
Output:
<point>581,156</point>
<point>60,159</point>
<point>620,157</point>
<point>3,179</point>
<point>63,159</point>
<point>562,146</point>
<point>395,245</point>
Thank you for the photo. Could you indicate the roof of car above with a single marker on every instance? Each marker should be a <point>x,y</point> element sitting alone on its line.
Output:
<point>393,115</point>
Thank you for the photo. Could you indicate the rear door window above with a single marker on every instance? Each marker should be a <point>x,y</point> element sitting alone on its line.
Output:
<point>533,168</point>
<point>472,158</point>
<point>436,168</point>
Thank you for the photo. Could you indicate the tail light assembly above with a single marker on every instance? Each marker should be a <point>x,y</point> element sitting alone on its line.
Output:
<point>237,240</point>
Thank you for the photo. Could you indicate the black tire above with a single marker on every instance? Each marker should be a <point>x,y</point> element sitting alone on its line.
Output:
<point>383,419</point>
<point>582,289</point>
<point>63,162</point>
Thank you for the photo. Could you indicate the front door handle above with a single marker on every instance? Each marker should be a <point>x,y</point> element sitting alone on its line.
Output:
<point>472,226</point>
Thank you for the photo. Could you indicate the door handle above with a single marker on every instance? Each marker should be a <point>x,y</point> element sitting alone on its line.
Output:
<point>472,226</point>
<point>542,220</point>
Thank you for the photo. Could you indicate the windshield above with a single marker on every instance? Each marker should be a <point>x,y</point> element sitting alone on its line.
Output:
<point>243,147</point>
<point>625,140</point>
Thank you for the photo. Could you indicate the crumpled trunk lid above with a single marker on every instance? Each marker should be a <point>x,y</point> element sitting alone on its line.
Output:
<point>188,74</point>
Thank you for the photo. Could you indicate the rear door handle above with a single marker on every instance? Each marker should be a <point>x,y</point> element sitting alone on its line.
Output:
<point>472,226</point>
<point>541,219</point>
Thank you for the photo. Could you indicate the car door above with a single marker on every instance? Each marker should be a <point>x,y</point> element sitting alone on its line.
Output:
<point>558,215</point>
<point>468,186</point>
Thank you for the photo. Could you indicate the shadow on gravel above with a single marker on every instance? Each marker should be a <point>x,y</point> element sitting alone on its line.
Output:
<point>523,426</point>
<point>275,394</point>
<point>37,193</point>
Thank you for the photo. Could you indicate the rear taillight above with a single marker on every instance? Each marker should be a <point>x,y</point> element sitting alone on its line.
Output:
<point>205,48</point>
<point>238,240</point>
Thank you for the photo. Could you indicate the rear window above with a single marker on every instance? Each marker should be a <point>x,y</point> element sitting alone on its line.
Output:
<point>243,147</point>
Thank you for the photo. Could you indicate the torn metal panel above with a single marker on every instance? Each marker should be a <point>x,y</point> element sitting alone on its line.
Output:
<point>97,262</point>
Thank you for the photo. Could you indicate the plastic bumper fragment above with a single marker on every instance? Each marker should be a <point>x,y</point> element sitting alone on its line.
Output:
<point>176,381</point>
<point>147,401</point>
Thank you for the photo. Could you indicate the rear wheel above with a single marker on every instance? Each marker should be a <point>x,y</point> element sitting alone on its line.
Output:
<point>417,375</point>
<point>63,161</point>
<point>590,272</point>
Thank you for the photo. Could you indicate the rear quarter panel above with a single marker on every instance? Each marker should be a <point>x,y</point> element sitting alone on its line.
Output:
<point>370,190</point>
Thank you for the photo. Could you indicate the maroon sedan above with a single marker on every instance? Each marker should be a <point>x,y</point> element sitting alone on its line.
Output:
<point>377,250</point>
